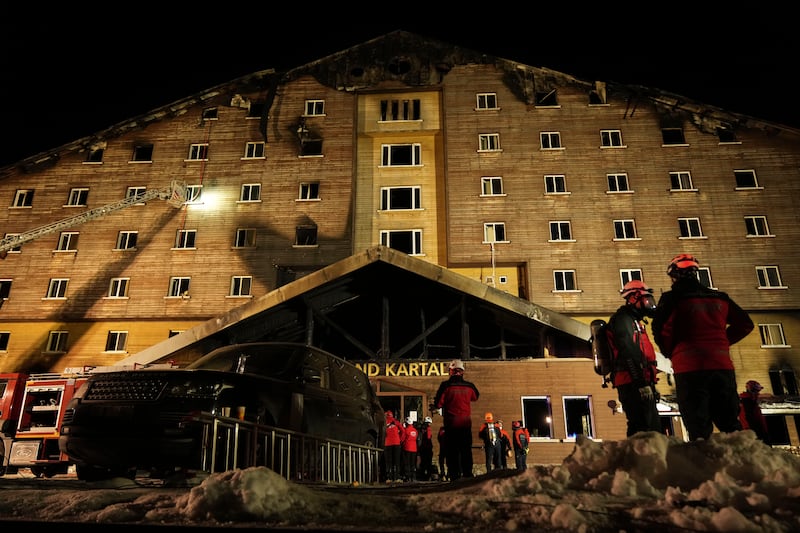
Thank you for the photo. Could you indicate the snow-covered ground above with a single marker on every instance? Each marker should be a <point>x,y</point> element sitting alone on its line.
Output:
<point>732,482</point>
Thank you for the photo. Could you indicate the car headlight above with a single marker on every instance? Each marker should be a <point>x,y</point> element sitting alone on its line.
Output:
<point>195,390</point>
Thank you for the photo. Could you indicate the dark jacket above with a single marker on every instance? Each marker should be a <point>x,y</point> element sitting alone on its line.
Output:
<point>695,326</point>
<point>454,398</point>
<point>633,354</point>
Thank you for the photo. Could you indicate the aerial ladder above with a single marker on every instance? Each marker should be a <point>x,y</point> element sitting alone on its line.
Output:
<point>175,195</point>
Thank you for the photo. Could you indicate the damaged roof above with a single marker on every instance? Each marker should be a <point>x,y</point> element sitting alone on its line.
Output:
<point>415,61</point>
<point>382,304</point>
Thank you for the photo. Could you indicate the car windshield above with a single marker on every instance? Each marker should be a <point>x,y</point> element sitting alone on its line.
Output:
<point>263,359</point>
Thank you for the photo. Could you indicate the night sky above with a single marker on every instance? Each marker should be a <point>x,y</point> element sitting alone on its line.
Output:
<point>70,72</point>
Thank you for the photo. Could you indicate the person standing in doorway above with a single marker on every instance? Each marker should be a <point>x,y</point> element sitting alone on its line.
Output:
<point>409,450</point>
<point>695,326</point>
<point>454,397</point>
<point>391,447</point>
<point>634,358</point>
<point>426,450</point>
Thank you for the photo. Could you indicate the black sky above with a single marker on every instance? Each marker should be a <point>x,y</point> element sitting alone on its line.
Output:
<point>64,76</point>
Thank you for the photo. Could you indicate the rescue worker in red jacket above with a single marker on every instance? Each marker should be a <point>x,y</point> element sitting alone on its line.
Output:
<point>409,450</point>
<point>521,439</point>
<point>695,326</point>
<point>634,358</point>
<point>750,415</point>
<point>490,434</point>
<point>454,397</point>
<point>391,446</point>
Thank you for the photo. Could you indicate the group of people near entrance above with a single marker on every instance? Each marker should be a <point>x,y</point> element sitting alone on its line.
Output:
<point>693,325</point>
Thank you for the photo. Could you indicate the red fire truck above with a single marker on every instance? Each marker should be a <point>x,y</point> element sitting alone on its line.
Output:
<point>31,409</point>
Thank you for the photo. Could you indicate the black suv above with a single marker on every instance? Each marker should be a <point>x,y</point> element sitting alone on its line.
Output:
<point>122,421</point>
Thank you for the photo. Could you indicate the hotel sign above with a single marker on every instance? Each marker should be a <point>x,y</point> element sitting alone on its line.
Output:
<point>404,369</point>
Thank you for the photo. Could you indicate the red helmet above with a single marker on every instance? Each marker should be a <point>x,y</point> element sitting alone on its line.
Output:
<point>682,264</point>
<point>635,287</point>
<point>753,386</point>
<point>516,424</point>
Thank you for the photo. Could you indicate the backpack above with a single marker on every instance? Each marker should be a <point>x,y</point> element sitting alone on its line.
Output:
<point>523,439</point>
<point>601,350</point>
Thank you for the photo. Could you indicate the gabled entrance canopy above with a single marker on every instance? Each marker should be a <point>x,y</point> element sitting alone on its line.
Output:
<point>382,304</point>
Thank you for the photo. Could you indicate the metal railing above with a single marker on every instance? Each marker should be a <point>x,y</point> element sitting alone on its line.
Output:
<point>229,443</point>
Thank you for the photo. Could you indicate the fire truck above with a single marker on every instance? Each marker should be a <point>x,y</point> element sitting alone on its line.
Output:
<point>31,411</point>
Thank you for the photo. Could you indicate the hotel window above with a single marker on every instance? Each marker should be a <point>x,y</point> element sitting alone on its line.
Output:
<point>57,342</point>
<point>254,150</point>
<point>550,140</point>
<point>240,285</point>
<point>772,335</point>
<point>5,336</point>
<point>78,197</point>
<point>745,179</point>
<point>624,230</point>
<point>629,274</point>
<point>23,198</point>
<point>492,186</point>
<point>611,138</point>
<point>305,235</point>
<point>769,277</point>
<point>398,155</point>
<point>68,241</point>
<point>757,226</point>
<point>578,416</point>
<point>118,288</point>
<point>400,198</point>
<point>487,101</point>
<point>210,113</point>
<point>537,416</point>
<point>681,181</point>
<point>126,240</point>
<point>251,192</point>
<point>309,191</point>
<point>198,152</point>
<point>5,289</point>
<point>690,228</point>
<point>185,238</point>
<point>400,110</point>
<point>94,156</point>
<point>133,192</point>
<point>556,184</point>
<point>564,281</point>
<point>178,287</point>
<point>16,249</point>
<point>494,232</point>
<point>245,238</point>
<point>560,230</point>
<point>704,277</point>
<point>142,153</point>
<point>672,136</point>
<point>726,135</point>
<point>256,109</point>
<point>314,107</point>
<point>407,241</point>
<point>116,341</point>
<point>547,99</point>
<point>489,142</point>
<point>57,289</point>
<point>193,194</point>
<point>618,183</point>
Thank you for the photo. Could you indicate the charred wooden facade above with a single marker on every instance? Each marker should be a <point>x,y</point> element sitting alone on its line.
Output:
<point>548,188</point>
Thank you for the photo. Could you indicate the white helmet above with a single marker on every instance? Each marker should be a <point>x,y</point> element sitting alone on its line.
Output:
<point>428,420</point>
<point>409,420</point>
<point>456,364</point>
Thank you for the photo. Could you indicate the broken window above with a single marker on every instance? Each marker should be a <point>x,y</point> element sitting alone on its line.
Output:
<point>305,236</point>
<point>143,153</point>
<point>548,98</point>
<point>673,136</point>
